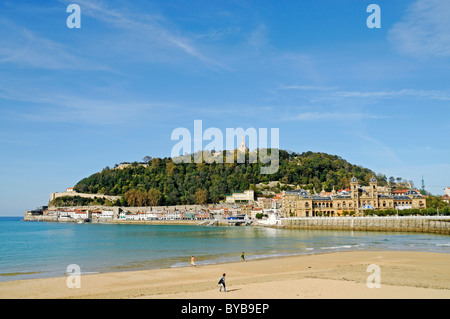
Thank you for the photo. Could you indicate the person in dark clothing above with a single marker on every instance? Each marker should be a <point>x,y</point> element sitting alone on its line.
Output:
<point>222,283</point>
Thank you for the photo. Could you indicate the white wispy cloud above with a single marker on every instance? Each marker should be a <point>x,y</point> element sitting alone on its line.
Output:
<point>218,33</point>
<point>380,149</point>
<point>334,92</point>
<point>24,47</point>
<point>427,94</point>
<point>44,105</point>
<point>149,33</point>
<point>258,37</point>
<point>306,88</point>
<point>424,29</point>
<point>339,116</point>
<point>16,142</point>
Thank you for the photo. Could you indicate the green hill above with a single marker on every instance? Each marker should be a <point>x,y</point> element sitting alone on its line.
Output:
<point>159,181</point>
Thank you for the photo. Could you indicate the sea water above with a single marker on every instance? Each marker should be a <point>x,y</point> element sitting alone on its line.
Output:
<point>44,249</point>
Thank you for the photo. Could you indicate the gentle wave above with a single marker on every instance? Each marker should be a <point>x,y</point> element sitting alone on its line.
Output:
<point>12,274</point>
<point>222,260</point>
<point>342,247</point>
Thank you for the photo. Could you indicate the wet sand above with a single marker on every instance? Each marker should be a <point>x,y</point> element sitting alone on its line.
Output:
<point>343,275</point>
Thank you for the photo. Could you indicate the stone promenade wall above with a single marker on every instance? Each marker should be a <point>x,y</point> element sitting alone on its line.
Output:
<point>427,224</point>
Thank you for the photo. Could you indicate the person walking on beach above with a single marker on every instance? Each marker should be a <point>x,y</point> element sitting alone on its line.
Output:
<point>222,284</point>
<point>242,257</point>
<point>193,262</point>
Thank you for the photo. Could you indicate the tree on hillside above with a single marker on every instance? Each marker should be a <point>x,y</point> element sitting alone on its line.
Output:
<point>147,159</point>
<point>201,197</point>
<point>436,202</point>
<point>179,183</point>
<point>154,197</point>
<point>137,197</point>
<point>391,180</point>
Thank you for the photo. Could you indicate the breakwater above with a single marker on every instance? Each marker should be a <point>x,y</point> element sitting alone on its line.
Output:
<point>424,224</point>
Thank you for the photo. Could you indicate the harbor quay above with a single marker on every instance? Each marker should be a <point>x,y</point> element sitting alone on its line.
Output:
<point>425,224</point>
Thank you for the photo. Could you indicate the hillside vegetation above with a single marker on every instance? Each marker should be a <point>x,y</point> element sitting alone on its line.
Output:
<point>162,182</point>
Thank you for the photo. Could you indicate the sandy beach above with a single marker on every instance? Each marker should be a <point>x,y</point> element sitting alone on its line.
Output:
<point>342,275</point>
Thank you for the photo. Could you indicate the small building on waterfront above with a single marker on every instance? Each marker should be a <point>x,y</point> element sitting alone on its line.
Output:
<point>82,214</point>
<point>37,211</point>
<point>102,215</point>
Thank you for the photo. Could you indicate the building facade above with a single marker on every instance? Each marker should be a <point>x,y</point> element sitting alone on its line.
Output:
<point>300,203</point>
<point>247,196</point>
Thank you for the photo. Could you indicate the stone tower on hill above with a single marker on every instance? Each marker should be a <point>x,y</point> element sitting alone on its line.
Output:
<point>243,148</point>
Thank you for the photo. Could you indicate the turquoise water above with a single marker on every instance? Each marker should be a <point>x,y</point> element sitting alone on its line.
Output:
<point>39,249</point>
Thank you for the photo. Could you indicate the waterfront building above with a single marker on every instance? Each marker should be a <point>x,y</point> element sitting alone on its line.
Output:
<point>188,215</point>
<point>300,203</point>
<point>277,200</point>
<point>102,214</point>
<point>234,211</point>
<point>246,209</point>
<point>132,217</point>
<point>173,215</point>
<point>50,212</point>
<point>203,215</point>
<point>268,203</point>
<point>67,213</point>
<point>96,214</point>
<point>218,213</point>
<point>247,196</point>
<point>81,214</point>
<point>36,212</point>
<point>107,214</point>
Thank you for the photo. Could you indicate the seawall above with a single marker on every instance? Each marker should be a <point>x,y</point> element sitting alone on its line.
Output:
<point>42,218</point>
<point>424,224</point>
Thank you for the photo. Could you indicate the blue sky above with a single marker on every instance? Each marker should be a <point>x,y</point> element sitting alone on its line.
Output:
<point>73,101</point>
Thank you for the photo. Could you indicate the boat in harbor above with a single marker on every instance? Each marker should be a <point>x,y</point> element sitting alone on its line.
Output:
<point>271,220</point>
